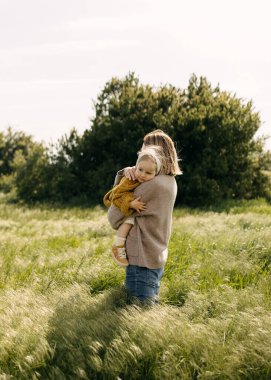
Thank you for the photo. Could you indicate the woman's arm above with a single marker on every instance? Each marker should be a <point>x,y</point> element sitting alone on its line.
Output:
<point>128,172</point>
<point>157,194</point>
<point>118,177</point>
<point>116,217</point>
<point>152,193</point>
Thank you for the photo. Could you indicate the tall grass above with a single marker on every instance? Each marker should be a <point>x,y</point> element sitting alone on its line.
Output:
<point>64,313</point>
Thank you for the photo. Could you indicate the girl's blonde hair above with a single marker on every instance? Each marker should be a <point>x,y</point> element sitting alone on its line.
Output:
<point>170,158</point>
<point>155,154</point>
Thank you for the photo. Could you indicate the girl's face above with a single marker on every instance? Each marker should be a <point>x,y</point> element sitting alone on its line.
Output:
<point>145,170</point>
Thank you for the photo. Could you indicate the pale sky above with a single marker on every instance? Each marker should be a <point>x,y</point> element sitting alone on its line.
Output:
<point>57,55</point>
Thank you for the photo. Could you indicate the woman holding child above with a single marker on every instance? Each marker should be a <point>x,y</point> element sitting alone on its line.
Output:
<point>149,229</point>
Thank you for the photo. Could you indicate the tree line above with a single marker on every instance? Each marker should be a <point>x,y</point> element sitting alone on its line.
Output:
<point>214,132</point>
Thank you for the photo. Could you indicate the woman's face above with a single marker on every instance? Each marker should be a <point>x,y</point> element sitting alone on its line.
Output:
<point>145,170</point>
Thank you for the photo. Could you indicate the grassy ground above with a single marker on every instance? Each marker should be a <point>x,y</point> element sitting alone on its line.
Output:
<point>63,311</point>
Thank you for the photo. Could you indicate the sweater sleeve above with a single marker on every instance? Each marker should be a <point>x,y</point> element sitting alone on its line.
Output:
<point>115,217</point>
<point>119,176</point>
<point>157,193</point>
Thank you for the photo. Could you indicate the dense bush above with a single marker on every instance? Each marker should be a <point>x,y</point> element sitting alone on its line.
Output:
<point>124,112</point>
<point>212,129</point>
<point>221,156</point>
<point>32,174</point>
<point>48,173</point>
<point>214,132</point>
<point>12,143</point>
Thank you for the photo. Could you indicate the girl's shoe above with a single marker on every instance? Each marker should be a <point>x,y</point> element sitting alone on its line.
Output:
<point>119,255</point>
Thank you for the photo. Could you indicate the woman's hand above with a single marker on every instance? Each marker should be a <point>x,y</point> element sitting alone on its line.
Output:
<point>137,205</point>
<point>129,172</point>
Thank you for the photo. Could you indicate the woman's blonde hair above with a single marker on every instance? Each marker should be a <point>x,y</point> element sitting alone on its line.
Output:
<point>170,161</point>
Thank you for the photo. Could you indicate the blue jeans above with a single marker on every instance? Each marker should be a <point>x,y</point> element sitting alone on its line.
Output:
<point>143,283</point>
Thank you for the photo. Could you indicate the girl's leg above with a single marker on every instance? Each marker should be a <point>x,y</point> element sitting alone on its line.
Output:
<point>118,249</point>
<point>124,229</point>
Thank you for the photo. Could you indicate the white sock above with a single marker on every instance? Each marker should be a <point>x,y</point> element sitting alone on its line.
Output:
<point>120,240</point>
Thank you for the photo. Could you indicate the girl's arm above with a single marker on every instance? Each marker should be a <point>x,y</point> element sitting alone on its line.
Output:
<point>137,205</point>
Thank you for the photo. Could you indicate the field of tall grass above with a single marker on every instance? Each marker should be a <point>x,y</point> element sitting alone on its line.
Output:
<point>63,309</point>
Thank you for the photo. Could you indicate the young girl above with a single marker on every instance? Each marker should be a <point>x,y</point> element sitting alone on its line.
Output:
<point>148,165</point>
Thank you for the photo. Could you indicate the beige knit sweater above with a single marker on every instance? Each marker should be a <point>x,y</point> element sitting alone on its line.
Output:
<point>147,242</point>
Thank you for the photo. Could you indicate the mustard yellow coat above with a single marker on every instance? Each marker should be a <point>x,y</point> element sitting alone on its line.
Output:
<point>121,195</point>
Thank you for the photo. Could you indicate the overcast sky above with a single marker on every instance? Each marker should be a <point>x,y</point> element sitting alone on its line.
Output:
<point>57,55</point>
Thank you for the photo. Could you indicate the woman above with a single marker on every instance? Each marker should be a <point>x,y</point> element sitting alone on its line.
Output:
<point>147,242</point>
